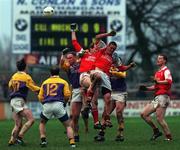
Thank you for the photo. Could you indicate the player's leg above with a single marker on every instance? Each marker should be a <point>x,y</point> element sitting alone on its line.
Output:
<point>17,127</point>
<point>45,115</point>
<point>42,130</point>
<point>94,111</point>
<point>75,113</point>
<point>19,108</point>
<point>107,103</point>
<point>89,97</point>
<point>100,137</point>
<point>85,82</point>
<point>145,114</point>
<point>119,99</point>
<point>106,92</point>
<point>160,114</point>
<point>26,113</point>
<point>94,88</point>
<point>70,134</point>
<point>60,113</point>
<point>86,103</point>
<point>95,81</point>
<point>86,123</point>
<point>120,119</point>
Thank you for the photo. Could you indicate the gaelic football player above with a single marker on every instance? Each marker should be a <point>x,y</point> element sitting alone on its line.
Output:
<point>54,92</point>
<point>19,84</point>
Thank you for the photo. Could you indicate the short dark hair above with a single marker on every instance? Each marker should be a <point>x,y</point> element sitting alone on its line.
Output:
<point>164,57</point>
<point>54,70</point>
<point>21,65</point>
<point>113,43</point>
<point>71,52</point>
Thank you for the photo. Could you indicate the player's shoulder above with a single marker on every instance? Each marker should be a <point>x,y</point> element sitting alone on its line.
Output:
<point>62,81</point>
<point>48,80</point>
<point>165,69</point>
<point>21,75</point>
<point>55,79</point>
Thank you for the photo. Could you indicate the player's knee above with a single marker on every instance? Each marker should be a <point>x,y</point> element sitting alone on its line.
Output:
<point>107,101</point>
<point>119,113</point>
<point>86,84</point>
<point>75,117</point>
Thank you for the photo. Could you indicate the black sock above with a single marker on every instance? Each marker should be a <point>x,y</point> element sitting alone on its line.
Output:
<point>43,139</point>
<point>101,133</point>
<point>156,130</point>
<point>20,138</point>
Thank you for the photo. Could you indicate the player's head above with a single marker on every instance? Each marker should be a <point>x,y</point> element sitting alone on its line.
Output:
<point>21,65</point>
<point>54,70</point>
<point>93,47</point>
<point>71,57</point>
<point>161,59</point>
<point>111,47</point>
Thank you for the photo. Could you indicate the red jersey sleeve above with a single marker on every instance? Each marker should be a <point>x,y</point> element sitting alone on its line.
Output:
<point>122,68</point>
<point>76,45</point>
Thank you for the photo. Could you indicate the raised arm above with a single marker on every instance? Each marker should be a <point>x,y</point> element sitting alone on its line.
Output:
<point>125,68</point>
<point>103,35</point>
<point>75,43</point>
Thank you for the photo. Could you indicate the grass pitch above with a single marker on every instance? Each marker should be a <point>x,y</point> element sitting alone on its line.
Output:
<point>137,135</point>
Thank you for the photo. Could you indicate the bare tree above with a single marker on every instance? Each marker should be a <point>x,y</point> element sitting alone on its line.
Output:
<point>153,28</point>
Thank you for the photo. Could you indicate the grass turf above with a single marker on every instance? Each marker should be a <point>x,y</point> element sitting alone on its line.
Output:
<point>137,135</point>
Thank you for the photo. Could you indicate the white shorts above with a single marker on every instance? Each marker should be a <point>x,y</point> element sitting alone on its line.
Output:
<point>82,77</point>
<point>105,81</point>
<point>119,96</point>
<point>76,95</point>
<point>161,100</point>
<point>55,109</point>
<point>18,104</point>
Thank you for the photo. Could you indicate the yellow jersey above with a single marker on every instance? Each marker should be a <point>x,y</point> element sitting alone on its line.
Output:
<point>19,84</point>
<point>54,89</point>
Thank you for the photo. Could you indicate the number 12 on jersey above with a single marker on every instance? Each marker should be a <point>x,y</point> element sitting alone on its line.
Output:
<point>51,89</point>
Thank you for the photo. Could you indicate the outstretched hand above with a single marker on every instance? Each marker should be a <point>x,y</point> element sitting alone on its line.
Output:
<point>73,26</point>
<point>133,64</point>
<point>112,33</point>
<point>153,79</point>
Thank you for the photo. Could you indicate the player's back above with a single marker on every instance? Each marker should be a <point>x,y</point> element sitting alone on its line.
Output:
<point>54,89</point>
<point>18,85</point>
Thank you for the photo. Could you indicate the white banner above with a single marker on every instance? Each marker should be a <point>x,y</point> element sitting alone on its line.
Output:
<point>115,10</point>
<point>132,109</point>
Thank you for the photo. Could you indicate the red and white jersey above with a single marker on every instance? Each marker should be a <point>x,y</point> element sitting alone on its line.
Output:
<point>88,59</point>
<point>160,75</point>
<point>104,62</point>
